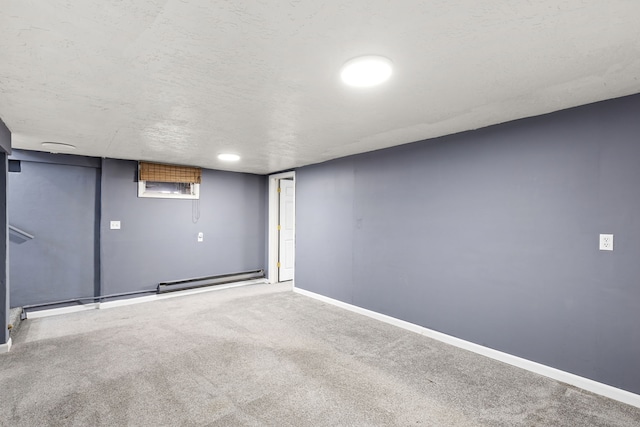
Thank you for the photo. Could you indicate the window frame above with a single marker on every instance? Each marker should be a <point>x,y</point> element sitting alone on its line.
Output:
<point>146,193</point>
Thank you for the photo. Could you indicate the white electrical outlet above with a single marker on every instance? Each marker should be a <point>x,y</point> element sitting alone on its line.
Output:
<point>200,236</point>
<point>115,225</point>
<point>606,242</point>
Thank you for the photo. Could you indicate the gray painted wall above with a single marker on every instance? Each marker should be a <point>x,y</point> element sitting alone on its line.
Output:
<point>56,158</point>
<point>57,204</point>
<point>4,248</point>
<point>67,202</point>
<point>5,148</point>
<point>5,138</point>
<point>158,238</point>
<point>492,236</point>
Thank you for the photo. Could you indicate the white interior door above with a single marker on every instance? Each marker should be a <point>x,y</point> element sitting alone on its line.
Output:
<point>286,235</point>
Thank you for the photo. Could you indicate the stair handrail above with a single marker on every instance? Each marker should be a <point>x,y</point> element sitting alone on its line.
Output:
<point>21,232</point>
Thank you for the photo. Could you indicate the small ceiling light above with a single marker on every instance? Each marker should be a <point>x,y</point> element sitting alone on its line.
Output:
<point>56,147</point>
<point>366,71</point>
<point>227,157</point>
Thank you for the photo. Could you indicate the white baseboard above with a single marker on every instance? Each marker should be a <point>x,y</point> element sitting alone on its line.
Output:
<point>4,348</point>
<point>137,300</point>
<point>61,310</point>
<point>158,297</point>
<point>547,371</point>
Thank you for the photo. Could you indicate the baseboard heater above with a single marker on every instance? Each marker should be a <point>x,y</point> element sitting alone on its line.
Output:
<point>201,282</point>
<point>164,287</point>
<point>80,301</point>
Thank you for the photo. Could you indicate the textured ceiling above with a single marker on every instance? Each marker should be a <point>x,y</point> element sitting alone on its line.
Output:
<point>181,81</point>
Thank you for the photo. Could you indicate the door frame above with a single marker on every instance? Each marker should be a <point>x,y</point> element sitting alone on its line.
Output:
<point>272,226</point>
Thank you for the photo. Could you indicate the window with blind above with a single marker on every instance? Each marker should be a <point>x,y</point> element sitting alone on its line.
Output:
<point>168,181</point>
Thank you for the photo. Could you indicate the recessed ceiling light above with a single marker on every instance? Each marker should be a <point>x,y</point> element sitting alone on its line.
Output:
<point>56,147</point>
<point>366,71</point>
<point>227,157</point>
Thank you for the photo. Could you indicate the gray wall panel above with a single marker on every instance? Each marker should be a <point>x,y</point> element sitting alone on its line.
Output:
<point>5,147</point>
<point>56,204</point>
<point>492,236</point>
<point>56,158</point>
<point>324,229</point>
<point>158,238</point>
<point>5,138</point>
<point>4,250</point>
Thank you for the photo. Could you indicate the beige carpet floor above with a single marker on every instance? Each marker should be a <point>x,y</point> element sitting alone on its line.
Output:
<point>265,356</point>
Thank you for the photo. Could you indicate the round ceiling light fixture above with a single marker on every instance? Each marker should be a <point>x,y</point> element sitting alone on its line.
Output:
<point>366,71</point>
<point>56,147</point>
<point>228,157</point>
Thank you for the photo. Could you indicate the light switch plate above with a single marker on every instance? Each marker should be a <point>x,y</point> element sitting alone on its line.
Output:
<point>200,236</point>
<point>115,225</point>
<point>606,242</point>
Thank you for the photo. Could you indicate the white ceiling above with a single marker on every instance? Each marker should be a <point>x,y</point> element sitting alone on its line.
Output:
<point>179,81</point>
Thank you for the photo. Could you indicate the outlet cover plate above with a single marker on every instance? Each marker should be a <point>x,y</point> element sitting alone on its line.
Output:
<point>606,242</point>
<point>115,225</point>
